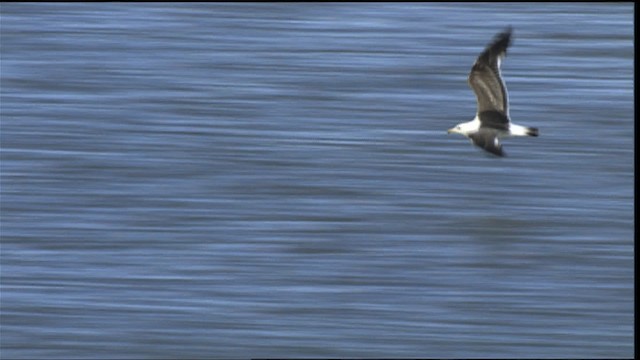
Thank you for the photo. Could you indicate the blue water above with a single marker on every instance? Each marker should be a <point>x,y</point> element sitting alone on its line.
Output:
<point>275,180</point>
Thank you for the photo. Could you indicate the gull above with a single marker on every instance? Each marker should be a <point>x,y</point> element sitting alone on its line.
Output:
<point>492,121</point>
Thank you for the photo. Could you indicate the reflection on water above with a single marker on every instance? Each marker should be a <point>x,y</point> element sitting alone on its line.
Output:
<point>275,180</point>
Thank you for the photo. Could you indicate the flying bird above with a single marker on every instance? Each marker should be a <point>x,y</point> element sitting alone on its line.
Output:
<point>492,120</point>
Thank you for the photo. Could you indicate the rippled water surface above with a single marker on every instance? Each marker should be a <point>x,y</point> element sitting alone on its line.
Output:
<point>275,180</point>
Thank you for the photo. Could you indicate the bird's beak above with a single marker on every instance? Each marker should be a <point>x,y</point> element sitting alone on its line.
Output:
<point>451,131</point>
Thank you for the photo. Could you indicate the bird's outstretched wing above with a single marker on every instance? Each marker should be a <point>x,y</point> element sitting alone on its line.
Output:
<point>485,78</point>
<point>487,141</point>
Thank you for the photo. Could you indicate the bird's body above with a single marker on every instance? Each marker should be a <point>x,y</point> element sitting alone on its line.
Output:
<point>492,120</point>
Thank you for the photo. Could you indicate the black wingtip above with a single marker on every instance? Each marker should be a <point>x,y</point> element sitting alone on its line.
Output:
<point>506,32</point>
<point>503,40</point>
<point>493,153</point>
<point>497,47</point>
<point>497,152</point>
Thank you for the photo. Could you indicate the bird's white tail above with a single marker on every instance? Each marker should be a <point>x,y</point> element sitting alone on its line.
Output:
<point>518,130</point>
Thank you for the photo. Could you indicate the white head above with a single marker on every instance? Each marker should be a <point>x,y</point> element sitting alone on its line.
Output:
<point>465,128</point>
